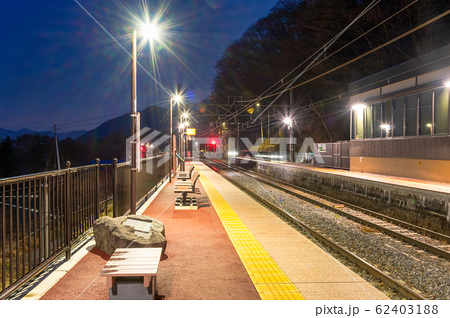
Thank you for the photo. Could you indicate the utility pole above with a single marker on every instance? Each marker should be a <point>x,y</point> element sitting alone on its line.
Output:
<point>291,146</point>
<point>262,131</point>
<point>57,148</point>
<point>237,144</point>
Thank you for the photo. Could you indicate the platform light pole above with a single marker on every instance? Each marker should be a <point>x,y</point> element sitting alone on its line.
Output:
<point>149,31</point>
<point>288,122</point>
<point>181,129</point>
<point>134,123</point>
<point>177,99</point>
<point>185,124</point>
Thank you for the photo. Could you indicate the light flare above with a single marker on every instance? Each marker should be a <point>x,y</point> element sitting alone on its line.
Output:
<point>150,31</point>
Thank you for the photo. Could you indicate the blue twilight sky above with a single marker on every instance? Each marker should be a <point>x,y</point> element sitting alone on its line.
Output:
<point>66,62</point>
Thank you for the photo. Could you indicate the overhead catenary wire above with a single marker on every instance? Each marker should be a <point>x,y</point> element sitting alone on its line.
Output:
<point>324,49</point>
<point>340,49</point>
<point>370,51</point>
<point>360,56</point>
<point>319,53</point>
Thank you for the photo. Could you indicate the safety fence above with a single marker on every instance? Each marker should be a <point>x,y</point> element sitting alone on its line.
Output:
<point>43,215</point>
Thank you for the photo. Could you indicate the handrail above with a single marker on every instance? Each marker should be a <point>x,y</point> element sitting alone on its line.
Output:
<point>42,214</point>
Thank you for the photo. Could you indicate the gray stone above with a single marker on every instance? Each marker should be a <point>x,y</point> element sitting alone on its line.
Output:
<point>132,231</point>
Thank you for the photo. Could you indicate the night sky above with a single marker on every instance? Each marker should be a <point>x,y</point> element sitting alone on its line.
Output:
<point>64,62</point>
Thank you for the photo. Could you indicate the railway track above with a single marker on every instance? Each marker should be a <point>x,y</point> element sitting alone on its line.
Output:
<point>436,242</point>
<point>431,241</point>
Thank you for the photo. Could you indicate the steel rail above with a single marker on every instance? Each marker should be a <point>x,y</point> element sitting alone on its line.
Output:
<point>388,280</point>
<point>430,233</point>
<point>282,186</point>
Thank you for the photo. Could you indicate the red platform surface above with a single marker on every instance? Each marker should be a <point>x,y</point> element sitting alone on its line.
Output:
<point>199,263</point>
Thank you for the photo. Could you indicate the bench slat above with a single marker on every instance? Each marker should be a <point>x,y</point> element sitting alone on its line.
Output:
<point>119,258</point>
<point>129,271</point>
<point>124,267</point>
<point>132,262</point>
<point>135,261</point>
<point>138,251</point>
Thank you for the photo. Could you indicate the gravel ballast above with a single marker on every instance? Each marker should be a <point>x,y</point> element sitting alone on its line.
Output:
<point>426,272</point>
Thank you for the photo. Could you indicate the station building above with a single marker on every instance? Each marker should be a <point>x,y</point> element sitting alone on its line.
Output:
<point>400,120</point>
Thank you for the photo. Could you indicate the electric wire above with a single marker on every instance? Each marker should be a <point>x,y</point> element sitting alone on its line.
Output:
<point>340,49</point>
<point>370,51</point>
<point>356,59</point>
<point>320,52</point>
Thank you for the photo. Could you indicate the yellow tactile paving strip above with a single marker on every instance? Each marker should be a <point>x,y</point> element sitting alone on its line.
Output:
<point>268,278</point>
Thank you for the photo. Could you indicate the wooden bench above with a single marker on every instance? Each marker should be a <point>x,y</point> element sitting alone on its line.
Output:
<point>185,187</point>
<point>131,273</point>
<point>184,175</point>
<point>181,183</point>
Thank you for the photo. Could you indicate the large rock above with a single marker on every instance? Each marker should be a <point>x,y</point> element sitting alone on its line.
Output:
<point>143,231</point>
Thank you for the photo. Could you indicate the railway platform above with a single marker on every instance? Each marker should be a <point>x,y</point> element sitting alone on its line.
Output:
<point>231,247</point>
<point>433,186</point>
<point>421,202</point>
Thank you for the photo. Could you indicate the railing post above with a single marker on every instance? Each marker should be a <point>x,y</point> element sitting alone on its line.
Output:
<point>68,210</point>
<point>115,192</point>
<point>97,188</point>
<point>45,234</point>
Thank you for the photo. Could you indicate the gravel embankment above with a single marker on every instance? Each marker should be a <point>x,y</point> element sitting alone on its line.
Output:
<point>424,271</point>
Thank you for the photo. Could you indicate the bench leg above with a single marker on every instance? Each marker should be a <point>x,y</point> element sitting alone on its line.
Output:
<point>133,288</point>
<point>153,287</point>
<point>147,280</point>
<point>110,281</point>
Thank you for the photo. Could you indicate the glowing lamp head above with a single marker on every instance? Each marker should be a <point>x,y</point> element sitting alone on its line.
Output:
<point>447,84</point>
<point>358,107</point>
<point>150,31</point>
<point>287,121</point>
<point>185,115</point>
<point>177,98</point>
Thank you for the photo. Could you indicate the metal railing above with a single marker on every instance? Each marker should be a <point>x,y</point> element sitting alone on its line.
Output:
<point>43,215</point>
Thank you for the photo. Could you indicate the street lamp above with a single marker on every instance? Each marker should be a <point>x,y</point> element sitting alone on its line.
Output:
<point>177,99</point>
<point>182,129</point>
<point>184,124</point>
<point>288,122</point>
<point>134,123</point>
<point>150,32</point>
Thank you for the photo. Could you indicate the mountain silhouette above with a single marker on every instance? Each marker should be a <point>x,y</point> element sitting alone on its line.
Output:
<point>108,140</point>
<point>61,135</point>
